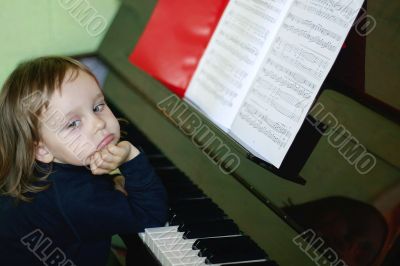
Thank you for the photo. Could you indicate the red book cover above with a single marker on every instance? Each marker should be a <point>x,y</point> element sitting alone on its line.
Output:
<point>175,38</point>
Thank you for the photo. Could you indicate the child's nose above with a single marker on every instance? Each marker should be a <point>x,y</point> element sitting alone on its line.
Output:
<point>98,123</point>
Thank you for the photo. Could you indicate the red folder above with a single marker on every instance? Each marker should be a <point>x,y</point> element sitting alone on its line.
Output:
<point>175,39</point>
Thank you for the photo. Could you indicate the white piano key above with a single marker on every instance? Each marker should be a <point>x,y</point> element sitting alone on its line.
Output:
<point>177,246</point>
<point>161,229</point>
<point>141,235</point>
<point>153,234</point>
<point>181,253</point>
<point>165,241</point>
<point>175,262</point>
<point>163,235</point>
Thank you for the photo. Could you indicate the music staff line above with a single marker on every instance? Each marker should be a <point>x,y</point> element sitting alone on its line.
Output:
<point>321,42</point>
<point>228,65</point>
<point>295,62</point>
<point>245,45</point>
<point>254,11</point>
<point>234,52</point>
<point>300,79</point>
<point>249,25</point>
<point>226,76</point>
<point>316,27</point>
<point>305,93</point>
<point>255,123</point>
<point>329,16</point>
<point>293,115</point>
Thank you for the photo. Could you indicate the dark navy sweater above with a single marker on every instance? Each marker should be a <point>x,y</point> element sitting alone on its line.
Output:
<point>72,222</point>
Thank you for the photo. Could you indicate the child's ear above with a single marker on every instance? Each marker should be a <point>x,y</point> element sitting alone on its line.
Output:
<point>42,153</point>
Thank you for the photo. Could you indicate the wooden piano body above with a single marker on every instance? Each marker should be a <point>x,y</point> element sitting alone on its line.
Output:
<point>251,195</point>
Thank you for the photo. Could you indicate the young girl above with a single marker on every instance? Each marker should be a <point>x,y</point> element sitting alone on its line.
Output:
<point>58,142</point>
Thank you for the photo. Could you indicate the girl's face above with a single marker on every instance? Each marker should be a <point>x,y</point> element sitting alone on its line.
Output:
<point>77,123</point>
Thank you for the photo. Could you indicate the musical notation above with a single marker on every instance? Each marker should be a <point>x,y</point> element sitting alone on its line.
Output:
<point>307,34</point>
<point>303,60</point>
<point>287,83</point>
<point>221,61</point>
<point>280,100</point>
<point>298,77</point>
<point>236,40</point>
<point>255,10</point>
<point>313,26</point>
<point>248,25</point>
<point>345,9</point>
<point>277,132</point>
<point>264,65</point>
<point>329,16</point>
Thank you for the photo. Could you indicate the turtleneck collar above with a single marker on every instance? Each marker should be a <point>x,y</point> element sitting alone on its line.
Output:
<point>54,166</point>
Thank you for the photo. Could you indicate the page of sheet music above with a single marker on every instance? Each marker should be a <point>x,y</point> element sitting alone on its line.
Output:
<point>300,57</point>
<point>232,57</point>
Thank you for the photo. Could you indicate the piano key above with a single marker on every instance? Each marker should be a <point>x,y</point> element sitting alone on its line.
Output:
<point>199,210</point>
<point>194,204</point>
<point>194,217</point>
<point>185,204</point>
<point>172,175</point>
<point>209,229</point>
<point>259,263</point>
<point>237,241</point>
<point>185,195</point>
<point>251,255</point>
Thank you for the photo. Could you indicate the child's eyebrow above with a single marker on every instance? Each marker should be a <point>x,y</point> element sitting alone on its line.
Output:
<point>99,95</point>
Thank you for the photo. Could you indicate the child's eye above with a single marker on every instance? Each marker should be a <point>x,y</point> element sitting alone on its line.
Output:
<point>101,107</point>
<point>72,124</point>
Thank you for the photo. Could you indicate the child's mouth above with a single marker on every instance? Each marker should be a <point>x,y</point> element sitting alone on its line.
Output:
<point>105,141</point>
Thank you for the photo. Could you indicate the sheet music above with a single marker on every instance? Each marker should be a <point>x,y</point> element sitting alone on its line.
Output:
<point>300,57</point>
<point>234,54</point>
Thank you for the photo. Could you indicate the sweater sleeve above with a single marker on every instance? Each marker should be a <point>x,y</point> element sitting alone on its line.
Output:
<point>97,210</point>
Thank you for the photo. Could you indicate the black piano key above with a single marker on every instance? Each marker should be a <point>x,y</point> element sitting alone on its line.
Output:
<point>179,184</point>
<point>221,257</point>
<point>172,175</point>
<point>229,249</point>
<point>206,208</point>
<point>209,229</point>
<point>246,244</point>
<point>186,204</point>
<point>236,241</point>
<point>258,263</point>
<point>197,217</point>
<point>185,195</point>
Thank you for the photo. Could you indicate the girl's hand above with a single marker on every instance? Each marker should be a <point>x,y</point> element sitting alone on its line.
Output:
<point>111,157</point>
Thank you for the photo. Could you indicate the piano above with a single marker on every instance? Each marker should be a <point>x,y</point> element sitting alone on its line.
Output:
<point>241,197</point>
<point>198,232</point>
<point>217,218</point>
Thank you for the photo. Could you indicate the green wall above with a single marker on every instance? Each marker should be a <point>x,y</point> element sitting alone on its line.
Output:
<point>30,28</point>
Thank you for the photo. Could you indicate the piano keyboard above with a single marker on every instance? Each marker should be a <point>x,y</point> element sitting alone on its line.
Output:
<point>198,232</point>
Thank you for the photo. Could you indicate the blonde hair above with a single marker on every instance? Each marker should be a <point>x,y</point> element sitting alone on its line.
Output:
<point>19,120</point>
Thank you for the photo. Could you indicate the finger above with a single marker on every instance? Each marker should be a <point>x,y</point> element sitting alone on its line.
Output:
<point>116,150</point>
<point>97,158</point>
<point>93,165</point>
<point>106,155</point>
<point>96,161</point>
<point>107,166</point>
<point>100,171</point>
